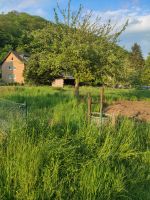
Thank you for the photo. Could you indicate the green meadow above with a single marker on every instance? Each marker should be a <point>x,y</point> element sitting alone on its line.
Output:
<point>55,154</point>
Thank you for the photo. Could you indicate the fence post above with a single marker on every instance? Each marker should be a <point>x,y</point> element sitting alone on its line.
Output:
<point>89,107</point>
<point>101,99</point>
<point>101,103</point>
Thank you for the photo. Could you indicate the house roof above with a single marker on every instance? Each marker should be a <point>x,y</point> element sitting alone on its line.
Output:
<point>21,56</point>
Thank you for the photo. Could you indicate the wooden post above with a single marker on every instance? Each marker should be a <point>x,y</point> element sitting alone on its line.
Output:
<point>89,107</point>
<point>101,102</point>
<point>101,99</point>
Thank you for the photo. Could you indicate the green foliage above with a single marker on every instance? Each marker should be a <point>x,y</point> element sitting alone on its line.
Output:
<point>40,68</point>
<point>14,28</point>
<point>137,56</point>
<point>146,73</point>
<point>5,51</point>
<point>79,47</point>
<point>117,70</point>
<point>59,156</point>
<point>137,64</point>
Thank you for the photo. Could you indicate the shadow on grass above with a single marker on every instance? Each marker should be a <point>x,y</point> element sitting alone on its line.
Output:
<point>131,95</point>
<point>41,101</point>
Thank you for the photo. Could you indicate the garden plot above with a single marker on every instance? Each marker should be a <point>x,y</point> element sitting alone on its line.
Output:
<point>133,109</point>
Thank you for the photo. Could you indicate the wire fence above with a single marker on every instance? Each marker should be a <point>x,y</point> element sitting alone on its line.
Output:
<point>11,113</point>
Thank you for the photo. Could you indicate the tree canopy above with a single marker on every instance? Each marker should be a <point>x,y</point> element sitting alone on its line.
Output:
<point>137,64</point>
<point>136,55</point>
<point>78,45</point>
<point>146,72</point>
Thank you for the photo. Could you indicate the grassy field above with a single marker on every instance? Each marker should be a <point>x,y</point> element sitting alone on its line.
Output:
<point>57,155</point>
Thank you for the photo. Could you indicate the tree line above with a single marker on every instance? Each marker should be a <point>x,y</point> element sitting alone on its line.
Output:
<point>76,44</point>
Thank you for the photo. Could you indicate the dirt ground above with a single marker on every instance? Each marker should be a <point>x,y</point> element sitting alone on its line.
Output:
<point>132,109</point>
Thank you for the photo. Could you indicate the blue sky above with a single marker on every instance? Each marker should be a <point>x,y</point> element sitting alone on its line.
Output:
<point>137,11</point>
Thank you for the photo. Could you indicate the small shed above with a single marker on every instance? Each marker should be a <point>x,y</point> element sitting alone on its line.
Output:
<point>64,80</point>
<point>58,83</point>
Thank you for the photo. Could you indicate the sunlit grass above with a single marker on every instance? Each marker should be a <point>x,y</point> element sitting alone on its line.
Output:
<point>59,156</point>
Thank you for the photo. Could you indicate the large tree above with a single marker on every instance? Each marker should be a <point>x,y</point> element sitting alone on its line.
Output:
<point>137,57</point>
<point>89,44</point>
<point>146,72</point>
<point>137,64</point>
<point>79,45</point>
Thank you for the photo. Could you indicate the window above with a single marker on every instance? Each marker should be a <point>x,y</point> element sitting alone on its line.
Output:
<point>11,67</point>
<point>11,76</point>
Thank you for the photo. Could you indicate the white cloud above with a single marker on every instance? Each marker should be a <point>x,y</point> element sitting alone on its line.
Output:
<point>138,29</point>
<point>138,21</point>
<point>139,24</point>
<point>27,3</point>
<point>35,6</point>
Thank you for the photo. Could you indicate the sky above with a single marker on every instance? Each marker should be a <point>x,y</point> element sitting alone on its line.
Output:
<point>136,11</point>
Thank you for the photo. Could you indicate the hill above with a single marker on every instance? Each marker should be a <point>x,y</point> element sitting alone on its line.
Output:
<point>14,27</point>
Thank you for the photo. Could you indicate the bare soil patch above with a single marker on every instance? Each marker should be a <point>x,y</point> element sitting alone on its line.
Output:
<point>133,109</point>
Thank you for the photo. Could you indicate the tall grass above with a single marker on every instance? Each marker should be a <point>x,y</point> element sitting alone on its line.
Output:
<point>59,156</point>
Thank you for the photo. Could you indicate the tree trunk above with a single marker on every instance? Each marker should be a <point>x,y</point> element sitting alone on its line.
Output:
<point>76,92</point>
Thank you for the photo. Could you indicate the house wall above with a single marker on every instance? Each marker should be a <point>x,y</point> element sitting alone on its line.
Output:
<point>7,74</point>
<point>58,83</point>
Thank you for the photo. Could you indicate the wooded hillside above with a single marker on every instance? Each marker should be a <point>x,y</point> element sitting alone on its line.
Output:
<point>14,28</point>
